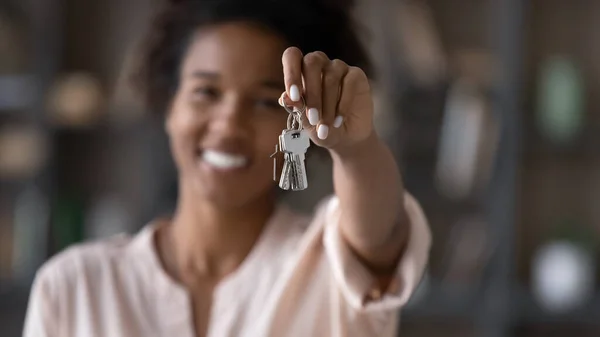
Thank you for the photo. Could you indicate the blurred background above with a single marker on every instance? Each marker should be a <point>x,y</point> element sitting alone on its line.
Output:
<point>488,105</point>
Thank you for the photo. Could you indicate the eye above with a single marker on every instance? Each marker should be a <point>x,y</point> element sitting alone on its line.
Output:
<point>268,103</point>
<point>205,92</point>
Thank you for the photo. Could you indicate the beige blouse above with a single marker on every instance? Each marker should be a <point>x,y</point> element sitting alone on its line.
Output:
<point>300,280</point>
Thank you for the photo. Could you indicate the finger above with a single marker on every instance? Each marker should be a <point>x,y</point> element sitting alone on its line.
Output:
<point>332,80</point>
<point>350,89</point>
<point>292,72</point>
<point>312,70</point>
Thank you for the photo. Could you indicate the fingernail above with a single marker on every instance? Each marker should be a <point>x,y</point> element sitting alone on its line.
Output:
<point>294,93</point>
<point>323,131</point>
<point>313,116</point>
<point>337,122</point>
<point>280,101</point>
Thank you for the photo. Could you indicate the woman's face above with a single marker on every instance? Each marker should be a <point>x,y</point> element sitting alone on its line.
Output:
<point>224,120</point>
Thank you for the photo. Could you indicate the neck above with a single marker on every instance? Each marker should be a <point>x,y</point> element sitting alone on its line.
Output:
<point>210,241</point>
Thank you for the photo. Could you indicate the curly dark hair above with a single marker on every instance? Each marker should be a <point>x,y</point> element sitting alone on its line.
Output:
<point>311,25</point>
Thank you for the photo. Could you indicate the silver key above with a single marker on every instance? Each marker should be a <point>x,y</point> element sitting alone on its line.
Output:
<point>294,144</point>
<point>285,181</point>
<point>293,175</point>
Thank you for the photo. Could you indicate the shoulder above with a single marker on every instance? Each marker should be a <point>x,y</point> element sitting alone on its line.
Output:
<point>84,262</point>
<point>74,283</point>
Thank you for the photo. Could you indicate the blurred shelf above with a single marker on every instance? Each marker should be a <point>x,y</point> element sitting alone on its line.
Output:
<point>17,92</point>
<point>13,292</point>
<point>461,303</point>
<point>13,184</point>
<point>528,311</point>
<point>100,127</point>
<point>444,302</point>
<point>585,146</point>
<point>12,289</point>
<point>13,309</point>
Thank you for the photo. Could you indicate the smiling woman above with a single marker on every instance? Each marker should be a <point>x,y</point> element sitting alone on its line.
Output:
<point>232,261</point>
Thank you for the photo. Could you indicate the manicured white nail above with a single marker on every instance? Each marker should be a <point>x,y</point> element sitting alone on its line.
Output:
<point>294,93</point>
<point>280,101</point>
<point>322,131</point>
<point>337,122</point>
<point>313,116</point>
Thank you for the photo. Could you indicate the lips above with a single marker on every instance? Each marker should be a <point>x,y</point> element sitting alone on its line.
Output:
<point>224,160</point>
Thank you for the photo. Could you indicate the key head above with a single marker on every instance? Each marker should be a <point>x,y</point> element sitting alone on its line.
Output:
<point>294,141</point>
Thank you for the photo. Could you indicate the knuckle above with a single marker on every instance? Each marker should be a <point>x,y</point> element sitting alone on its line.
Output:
<point>356,73</point>
<point>337,68</point>
<point>292,52</point>
<point>338,65</point>
<point>321,55</point>
<point>314,59</point>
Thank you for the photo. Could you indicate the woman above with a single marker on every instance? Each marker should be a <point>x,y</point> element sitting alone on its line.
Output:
<point>232,261</point>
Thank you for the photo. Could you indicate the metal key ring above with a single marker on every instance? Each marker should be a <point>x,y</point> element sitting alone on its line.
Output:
<point>295,117</point>
<point>300,111</point>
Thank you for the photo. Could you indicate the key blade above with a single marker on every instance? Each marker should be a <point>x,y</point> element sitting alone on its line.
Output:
<point>284,180</point>
<point>301,181</point>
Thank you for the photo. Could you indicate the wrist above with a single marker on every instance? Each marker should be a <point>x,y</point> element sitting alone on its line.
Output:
<point>357,149</point>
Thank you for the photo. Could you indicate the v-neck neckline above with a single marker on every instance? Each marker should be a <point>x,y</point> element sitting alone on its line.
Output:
<point>149,238</point>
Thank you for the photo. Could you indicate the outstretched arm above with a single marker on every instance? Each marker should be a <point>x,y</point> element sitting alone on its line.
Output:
<point>367,180</point>
<point>373,219</point>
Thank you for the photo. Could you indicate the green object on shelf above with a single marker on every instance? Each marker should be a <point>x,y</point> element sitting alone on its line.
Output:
<point>67,221</point>
<point>560,111</point>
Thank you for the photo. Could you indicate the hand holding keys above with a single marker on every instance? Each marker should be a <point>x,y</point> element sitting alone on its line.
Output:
<point>333,98</point>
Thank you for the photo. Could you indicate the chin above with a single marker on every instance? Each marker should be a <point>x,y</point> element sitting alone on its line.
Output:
<point>229,180</point>
<point>229,197</point>
<point>234,191</point>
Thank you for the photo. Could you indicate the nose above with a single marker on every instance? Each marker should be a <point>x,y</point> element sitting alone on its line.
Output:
<point>229,119</point>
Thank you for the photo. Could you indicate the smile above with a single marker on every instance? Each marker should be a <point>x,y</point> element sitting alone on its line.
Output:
<point>223,160</point>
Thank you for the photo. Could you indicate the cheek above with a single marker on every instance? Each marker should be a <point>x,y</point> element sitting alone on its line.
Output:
<point>268,135</point>
<point>185,118</point>
<point>183,129</point>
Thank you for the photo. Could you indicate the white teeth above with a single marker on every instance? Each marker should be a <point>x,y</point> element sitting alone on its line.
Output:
<point>223,160</point>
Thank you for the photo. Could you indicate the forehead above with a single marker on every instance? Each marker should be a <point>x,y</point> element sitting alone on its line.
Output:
<point>235,50</point>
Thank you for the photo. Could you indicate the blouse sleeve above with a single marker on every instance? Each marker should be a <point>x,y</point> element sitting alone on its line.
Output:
<point>357,284</point>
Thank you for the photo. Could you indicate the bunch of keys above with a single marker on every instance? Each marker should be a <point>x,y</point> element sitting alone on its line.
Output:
<point>293,142</point>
